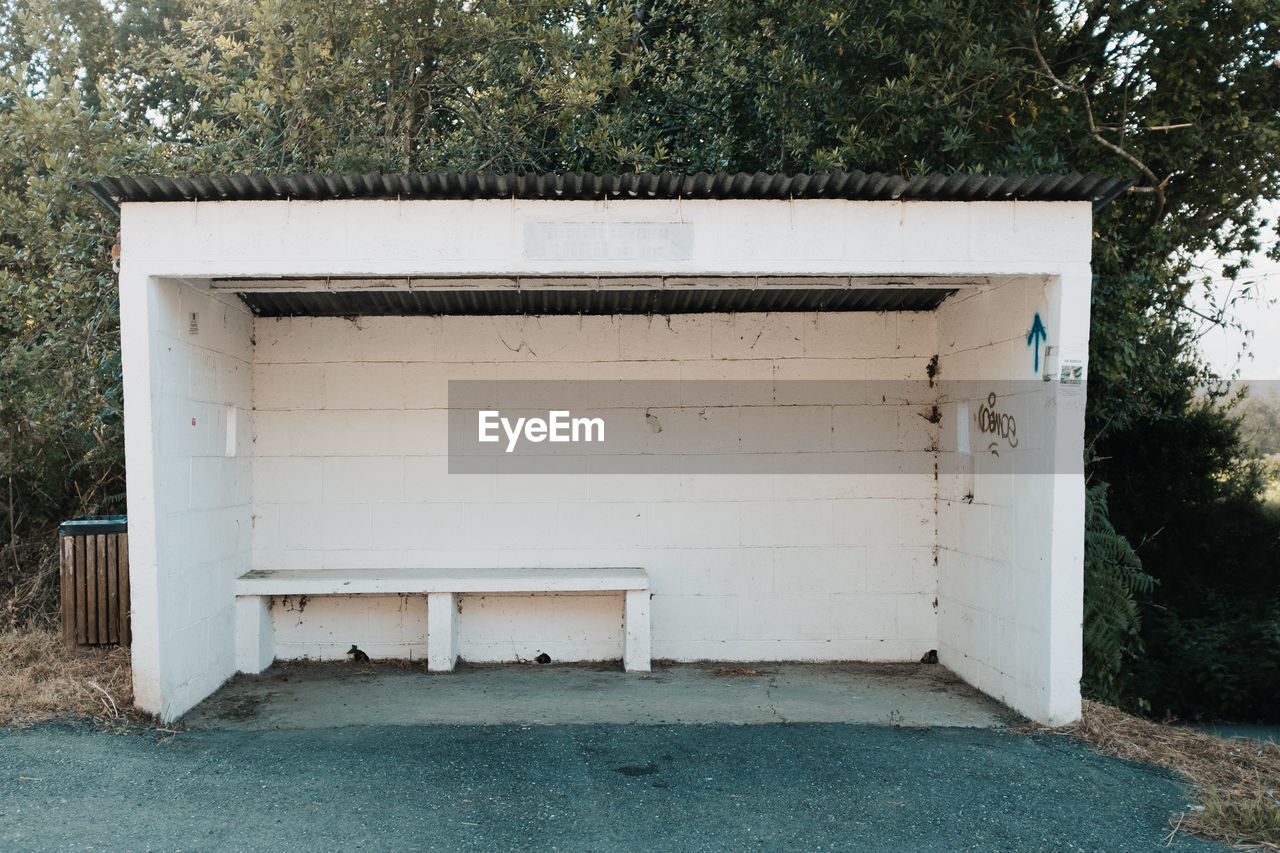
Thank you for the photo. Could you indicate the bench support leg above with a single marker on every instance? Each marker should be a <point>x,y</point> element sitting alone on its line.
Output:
<point>442,631</point>
<point>635,642</point>
<point>255,635</point>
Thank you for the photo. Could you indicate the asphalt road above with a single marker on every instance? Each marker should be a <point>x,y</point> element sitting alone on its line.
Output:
<point>578,787</point>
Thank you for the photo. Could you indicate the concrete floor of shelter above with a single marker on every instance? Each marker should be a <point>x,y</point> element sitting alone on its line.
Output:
<point>308,695</point>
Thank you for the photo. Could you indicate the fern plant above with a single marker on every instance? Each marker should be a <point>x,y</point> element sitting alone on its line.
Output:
<point>1113,575</point>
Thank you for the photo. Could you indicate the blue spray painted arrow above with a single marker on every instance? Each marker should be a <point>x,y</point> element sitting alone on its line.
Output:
<point>1036,336</point>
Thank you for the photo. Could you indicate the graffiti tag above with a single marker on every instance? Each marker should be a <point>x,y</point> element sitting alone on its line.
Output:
<point>1000,424</point>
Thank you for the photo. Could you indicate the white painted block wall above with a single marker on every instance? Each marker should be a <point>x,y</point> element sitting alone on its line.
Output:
<point>350,470</point>
<point>198,507</point>
<point>323,627</point>
<point>1007,535</point>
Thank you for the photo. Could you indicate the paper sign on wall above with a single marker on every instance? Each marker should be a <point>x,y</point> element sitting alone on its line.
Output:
<point>1072,371</point>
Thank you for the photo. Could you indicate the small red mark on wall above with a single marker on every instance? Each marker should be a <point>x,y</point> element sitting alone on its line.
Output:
<point>193,421</point>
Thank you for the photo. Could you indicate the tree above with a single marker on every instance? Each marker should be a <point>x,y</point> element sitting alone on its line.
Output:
<point>60,390</point>
<point>314,85</point>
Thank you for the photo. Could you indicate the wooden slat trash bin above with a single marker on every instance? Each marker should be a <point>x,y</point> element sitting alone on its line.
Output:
<point>94,557</point>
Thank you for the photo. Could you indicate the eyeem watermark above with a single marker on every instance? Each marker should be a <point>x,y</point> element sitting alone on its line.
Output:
<point>929,427</point>
<point>558,426</point>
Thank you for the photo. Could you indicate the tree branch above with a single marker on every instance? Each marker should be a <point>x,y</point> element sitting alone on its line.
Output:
<point>1157,185</point>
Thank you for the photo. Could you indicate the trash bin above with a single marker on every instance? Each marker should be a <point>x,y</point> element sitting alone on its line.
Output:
<point>94,557</point>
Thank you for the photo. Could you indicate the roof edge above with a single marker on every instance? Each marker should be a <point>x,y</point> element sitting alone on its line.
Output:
<point>853,186</point>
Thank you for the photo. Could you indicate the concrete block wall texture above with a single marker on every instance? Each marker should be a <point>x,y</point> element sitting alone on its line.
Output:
<point>488,237</point>
<point>351,470</point>
<point>198,506</point>
<point>1005,535</point>
<point>324,627</point>
<point>753,575</point>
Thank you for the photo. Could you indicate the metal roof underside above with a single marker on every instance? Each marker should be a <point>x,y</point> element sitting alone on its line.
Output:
<point>473,301</point>
<point>859,186</point>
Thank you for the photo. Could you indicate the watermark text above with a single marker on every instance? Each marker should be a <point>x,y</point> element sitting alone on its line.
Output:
<point>558,426</point>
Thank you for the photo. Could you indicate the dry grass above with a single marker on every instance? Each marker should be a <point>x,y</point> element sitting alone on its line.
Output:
<point>1238,782</point>
<point>41,679</point>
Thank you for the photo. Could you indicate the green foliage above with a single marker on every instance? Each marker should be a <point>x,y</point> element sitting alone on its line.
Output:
<point>784,86</point>
<point>1218,661</point>
<point>314,85</point>
<point>1191,502</point>
<point>1112,576</point>
<point>1184,490</point>
<point>60,387</point>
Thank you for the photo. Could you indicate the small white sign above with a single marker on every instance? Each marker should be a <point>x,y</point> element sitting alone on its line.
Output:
<point>1071,371</point>
<point>608,241</point>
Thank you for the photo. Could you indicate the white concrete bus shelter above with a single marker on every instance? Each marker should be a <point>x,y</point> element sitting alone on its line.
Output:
<point>288,345</point>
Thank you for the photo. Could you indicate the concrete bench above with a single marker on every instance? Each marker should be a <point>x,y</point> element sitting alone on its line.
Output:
<point>255,643</point>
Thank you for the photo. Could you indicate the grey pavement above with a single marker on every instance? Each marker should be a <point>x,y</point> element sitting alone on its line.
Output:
<point>607,786</point>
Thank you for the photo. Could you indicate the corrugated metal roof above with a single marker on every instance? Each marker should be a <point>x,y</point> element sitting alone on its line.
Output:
<point>475,301</point>
<point>860,186</point>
